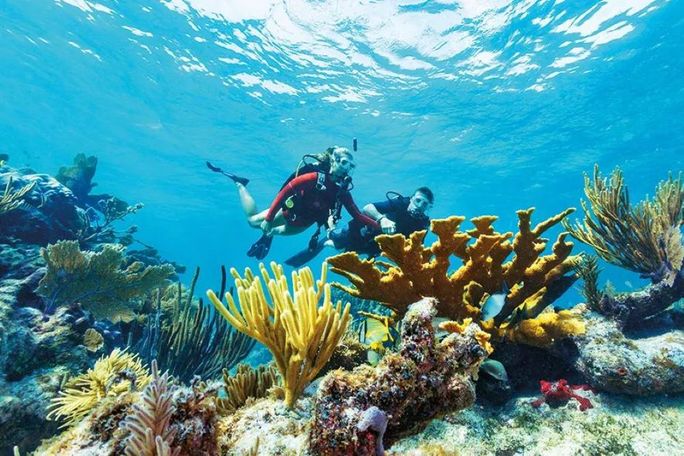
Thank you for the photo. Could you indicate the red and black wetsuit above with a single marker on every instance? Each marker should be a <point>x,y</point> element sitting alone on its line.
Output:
<point>313,202</point>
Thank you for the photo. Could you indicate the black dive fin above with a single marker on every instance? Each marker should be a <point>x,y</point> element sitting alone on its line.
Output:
<point>260,248</point>
<point>233,177</point>
<point>300,259</point>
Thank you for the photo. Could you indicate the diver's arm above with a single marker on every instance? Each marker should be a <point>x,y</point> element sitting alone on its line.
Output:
<point>354,211</point>
<point>371,211</point>
<point>298,183</point>
<point>386,224</point>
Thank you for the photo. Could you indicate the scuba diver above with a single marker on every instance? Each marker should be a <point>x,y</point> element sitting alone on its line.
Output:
<point>314,193</point>
<point>397,214</point>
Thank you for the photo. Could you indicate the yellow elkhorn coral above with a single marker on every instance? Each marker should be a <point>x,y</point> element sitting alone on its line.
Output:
<point>300,335</point>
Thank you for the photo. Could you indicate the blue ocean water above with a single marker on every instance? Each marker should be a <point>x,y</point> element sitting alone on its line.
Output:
<point>496,105</point>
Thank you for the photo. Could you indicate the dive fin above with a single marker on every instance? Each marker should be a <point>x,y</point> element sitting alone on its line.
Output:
<point>260,248</point>
<point>300,259</point>
<point>233,177</point>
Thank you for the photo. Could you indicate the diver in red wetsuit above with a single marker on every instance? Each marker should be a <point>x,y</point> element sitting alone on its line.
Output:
<point>313,195</point>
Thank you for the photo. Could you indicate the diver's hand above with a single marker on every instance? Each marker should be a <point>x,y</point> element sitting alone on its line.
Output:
<point>331,223</point>
<point>387,225</point>
<point>266,227</point>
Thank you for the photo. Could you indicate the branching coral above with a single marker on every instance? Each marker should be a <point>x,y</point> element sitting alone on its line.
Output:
<point>150,433</point>
<point>96,279</point>
<point>13,199</point>
<point>300,335</point>
<point>639,238</point>
<point>245,384</point>
<point>417,271</point>
<point>645,238</point>
<point>111,376</point>
<point>191,339</point>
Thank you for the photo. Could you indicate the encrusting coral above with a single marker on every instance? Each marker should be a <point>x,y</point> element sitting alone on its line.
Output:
<point>97,279</point>
<point>300,334</point>
<point>111,376</point>
<point>425,379</point>
<point>417,271</point>
<point>645,238</point>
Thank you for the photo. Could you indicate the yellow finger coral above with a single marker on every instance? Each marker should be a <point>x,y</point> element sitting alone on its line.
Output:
<point>300,334</point>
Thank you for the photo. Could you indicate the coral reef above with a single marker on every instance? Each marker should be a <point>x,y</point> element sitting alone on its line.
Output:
<point>535,280</point>
<point>96,279</point>
<point>613,427</point>
<point>426,378</point>
<point>645,238</point>
<point>111,376</point>
<point>49,210</point>
<point>167,418</point>
<point>78,178</point>
<point>300,335</point>
<point>642,366</point>
<point>42,343</point>
<point>62,208</point>
<point>278,431</point>
<point>36,350</point>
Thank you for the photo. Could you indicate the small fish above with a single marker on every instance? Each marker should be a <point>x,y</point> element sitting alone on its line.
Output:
<point>494,304</point>
<point>494,369</point>
<point>519,314</point>
<point>377,331</point>
<point>628,284</point>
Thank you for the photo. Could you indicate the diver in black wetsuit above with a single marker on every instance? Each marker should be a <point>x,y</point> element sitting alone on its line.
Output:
<point>398,214</point>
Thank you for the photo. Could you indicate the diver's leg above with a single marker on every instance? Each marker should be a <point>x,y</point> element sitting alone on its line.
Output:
<point>256,219</point>
<point>288,230</point>
<point>246,201</point>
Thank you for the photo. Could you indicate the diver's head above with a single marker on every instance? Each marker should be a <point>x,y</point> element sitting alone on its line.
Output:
<point>341,163</point>
<point>421,201</point>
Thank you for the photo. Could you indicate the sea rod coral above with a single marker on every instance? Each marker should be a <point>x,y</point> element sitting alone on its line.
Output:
<point>189,338</point>
<point>644,238</point>
<point>300,334</point>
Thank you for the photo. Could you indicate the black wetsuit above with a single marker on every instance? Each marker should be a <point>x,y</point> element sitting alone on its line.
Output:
<point>360,240</point>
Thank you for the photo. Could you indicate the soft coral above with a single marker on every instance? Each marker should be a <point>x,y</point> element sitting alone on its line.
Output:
<point>559,393</point>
